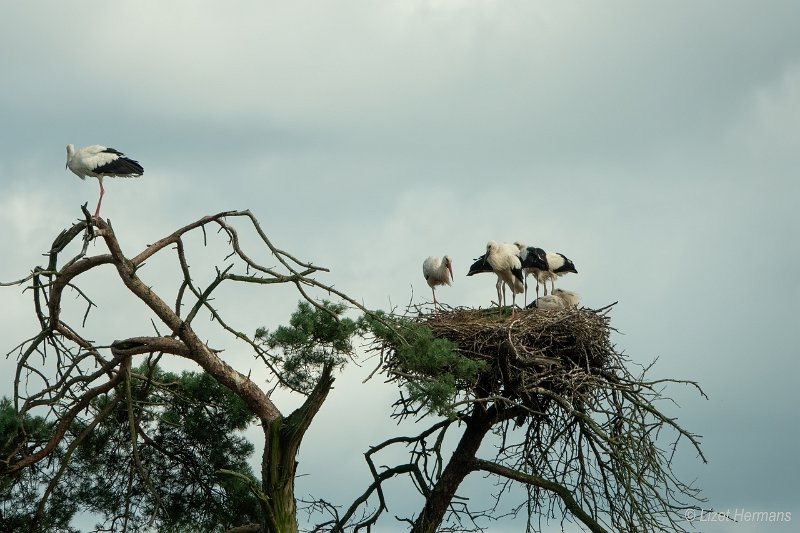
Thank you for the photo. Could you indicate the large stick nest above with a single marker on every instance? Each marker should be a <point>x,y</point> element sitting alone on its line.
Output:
<point>532,358</point>
<point>536,339</point>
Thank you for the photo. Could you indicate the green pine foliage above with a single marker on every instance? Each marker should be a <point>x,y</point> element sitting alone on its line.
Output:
<point>314,338</point>
<point>193,431</point>
<point>19,492</point>
<point>432,369</point>
<point>192,425</point>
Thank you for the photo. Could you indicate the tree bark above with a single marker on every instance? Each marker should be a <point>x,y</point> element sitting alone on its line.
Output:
<point>279,462</point>
<point>247,528</point>
<point>255,398</point>
<point>460,464</point>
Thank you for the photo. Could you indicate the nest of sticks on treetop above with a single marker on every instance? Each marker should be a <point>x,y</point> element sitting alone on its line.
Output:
<point>530,358</point>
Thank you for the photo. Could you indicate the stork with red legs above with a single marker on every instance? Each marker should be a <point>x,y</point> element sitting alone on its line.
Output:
<point>504,261</point>
<point>97,161</point>
<point>437,271</point>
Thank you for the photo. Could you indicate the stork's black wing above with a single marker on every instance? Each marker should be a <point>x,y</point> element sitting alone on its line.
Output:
<point>121,166</point>
<point>536,258</point>
<point>480,265</point>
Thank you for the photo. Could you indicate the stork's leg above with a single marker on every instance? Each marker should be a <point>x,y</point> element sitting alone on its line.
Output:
<point>525,299</point>
<point>433,291</point>
<point>498,287</point>
<point>513,302</point>
<point>100,201</point>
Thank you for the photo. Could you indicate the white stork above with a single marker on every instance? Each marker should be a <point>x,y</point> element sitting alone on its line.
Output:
<point>534,260</point>
<point>482,265</point>
<point>559,299</point>
<point>98,161</point>
<point>437,271</point>
<point>505,262</point>
<point>556,265</point>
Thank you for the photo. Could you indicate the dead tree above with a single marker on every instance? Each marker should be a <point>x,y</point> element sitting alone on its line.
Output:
<point>569,422</point>
<point>60,371</point>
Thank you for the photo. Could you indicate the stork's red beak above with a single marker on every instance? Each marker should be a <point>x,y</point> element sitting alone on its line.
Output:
<point>450,268</point>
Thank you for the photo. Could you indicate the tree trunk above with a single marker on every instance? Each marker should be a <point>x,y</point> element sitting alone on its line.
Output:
<point>278,468</point>
<point>460,464</point>
<point>279,462</point>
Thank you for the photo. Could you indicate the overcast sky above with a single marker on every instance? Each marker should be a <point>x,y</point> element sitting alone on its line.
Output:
<point>654,143</point>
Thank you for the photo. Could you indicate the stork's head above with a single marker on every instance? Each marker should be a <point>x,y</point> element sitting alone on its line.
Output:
<point>569,297</point>
<point>448,262</point>
<point>520,245</point>
<point>491,246</point>
<point>569,266</point>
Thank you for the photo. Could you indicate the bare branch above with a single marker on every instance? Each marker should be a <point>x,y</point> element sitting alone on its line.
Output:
<point>560,490</point>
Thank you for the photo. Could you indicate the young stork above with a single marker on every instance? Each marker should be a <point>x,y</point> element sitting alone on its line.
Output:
<point>533,260</point>
<point>98,161</point>
<point>482,265</point>
<point>556,265</point>
<point>559,299</point>
<point>437,271</point>
<point>505,262</point>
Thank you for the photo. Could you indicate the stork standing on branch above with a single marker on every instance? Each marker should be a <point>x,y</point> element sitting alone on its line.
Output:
<point>98,161</point>
<point>437,271</point>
